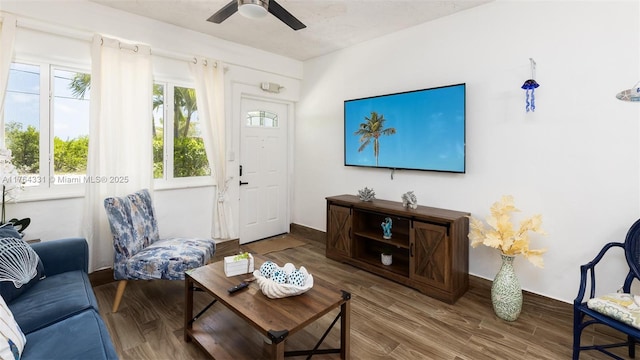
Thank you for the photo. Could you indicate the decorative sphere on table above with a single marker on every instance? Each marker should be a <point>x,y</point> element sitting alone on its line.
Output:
<point>280,277</point>
<point>297,278</point>
<point>268,268</point>
<point>386,228</point>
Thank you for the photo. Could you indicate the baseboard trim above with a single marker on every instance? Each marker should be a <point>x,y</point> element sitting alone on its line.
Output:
<point>101,277</point>
<point>309,233</point>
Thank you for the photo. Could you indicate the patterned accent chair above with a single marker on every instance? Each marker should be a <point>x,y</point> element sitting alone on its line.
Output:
<point>620,311</point>
<point>139,252</point>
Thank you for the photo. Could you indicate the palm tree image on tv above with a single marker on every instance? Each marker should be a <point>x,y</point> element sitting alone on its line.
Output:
<point>371,130</point>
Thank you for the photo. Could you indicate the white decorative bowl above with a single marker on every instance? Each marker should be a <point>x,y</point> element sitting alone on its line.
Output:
<point>273,290</point>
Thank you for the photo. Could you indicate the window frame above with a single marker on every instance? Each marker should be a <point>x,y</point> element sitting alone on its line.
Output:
<point>50,191</point>
<point>46,189</point>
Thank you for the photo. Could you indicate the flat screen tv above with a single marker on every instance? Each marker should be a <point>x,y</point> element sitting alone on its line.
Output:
<point>413,130</point>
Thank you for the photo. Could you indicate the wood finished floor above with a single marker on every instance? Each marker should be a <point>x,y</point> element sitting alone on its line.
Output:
<point>388,320</point>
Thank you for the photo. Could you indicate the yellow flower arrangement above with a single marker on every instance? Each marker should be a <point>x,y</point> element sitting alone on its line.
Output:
<point>502,235</point>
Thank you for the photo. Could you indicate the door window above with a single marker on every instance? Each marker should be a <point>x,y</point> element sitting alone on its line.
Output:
<point>261,118</point>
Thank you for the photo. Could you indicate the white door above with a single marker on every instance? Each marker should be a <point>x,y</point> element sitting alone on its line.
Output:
<point>263,161</point>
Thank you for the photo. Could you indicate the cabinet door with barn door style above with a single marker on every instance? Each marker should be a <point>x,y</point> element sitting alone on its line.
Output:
<point>339,230</point>
<point>430,254</point>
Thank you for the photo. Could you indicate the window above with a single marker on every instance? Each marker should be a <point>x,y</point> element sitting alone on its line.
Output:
<point>262,118</point>
<point>178,149</point>
<point>48,136</point>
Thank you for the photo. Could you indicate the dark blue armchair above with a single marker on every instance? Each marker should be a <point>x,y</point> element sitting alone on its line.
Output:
<point>585,311</point>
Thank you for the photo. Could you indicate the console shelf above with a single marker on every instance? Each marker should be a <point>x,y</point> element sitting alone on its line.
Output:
<point>430,246</point>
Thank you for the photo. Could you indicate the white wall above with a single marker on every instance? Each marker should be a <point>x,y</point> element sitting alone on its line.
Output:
<point>575,160</point>
<point>187,211</point>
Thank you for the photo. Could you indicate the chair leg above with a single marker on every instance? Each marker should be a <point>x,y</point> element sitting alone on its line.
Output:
<point>116,303</point>
<point>577,332</point>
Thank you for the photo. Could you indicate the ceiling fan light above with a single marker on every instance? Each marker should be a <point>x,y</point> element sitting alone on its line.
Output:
<point>253,9</point>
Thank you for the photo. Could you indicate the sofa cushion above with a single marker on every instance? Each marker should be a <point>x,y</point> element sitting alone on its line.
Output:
<point>20,266</point>
<point>58,297</point>
<point>620,306</point>
<point>81,336</point>
<point>168,259</point>
<point>12,339</point>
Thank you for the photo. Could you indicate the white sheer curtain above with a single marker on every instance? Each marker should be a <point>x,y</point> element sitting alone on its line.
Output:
<point>120,157</point>
<point>209,76</point>
<point>7,39</point>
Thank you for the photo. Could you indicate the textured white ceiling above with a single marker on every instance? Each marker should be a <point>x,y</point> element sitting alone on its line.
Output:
<point>331,25</point>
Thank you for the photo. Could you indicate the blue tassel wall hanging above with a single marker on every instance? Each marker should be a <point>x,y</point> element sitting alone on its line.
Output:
<point>529,87</point>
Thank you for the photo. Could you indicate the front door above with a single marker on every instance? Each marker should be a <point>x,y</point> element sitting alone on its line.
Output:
<point>263,175</point>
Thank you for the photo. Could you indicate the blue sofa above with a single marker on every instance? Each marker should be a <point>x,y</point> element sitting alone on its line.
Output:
<point>59,314</point>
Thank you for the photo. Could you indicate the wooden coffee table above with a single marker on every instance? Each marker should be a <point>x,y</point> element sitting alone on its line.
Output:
<point>274,320</point>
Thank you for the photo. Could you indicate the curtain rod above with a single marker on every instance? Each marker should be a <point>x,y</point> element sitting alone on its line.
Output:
<point>87,36</point>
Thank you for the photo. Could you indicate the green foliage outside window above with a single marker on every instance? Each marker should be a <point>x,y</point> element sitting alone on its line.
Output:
<point>189,157</point>
<point>158,158</point>
<point>70,157</point>
<point>24,146</point>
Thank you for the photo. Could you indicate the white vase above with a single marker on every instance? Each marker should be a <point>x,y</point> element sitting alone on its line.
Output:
<point>386,259</point>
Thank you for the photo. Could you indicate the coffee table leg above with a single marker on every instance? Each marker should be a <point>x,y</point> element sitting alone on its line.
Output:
<point>345,330</point>
<point>273,350</point>
<point>188,307</point>
<point>278,351</point>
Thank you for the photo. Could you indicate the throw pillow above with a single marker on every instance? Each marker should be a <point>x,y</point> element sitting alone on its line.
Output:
<point>8,230</point>
<point>12,340</point>
<point>20,267</point>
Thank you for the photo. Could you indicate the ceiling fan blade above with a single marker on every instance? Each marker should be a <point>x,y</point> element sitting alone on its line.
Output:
<point>224,13</point>
<point>285,16</point>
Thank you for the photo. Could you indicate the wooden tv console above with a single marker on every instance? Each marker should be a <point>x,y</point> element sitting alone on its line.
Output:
<point>430,246</point>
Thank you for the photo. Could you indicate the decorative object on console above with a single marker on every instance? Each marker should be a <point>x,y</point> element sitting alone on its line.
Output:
<point>409,200</point>
<point>366,194</point>
<point>529,86</point>
<point>278,282</point>
<point>386,228</point>
<point>506,294</point>
<point>387,255</point>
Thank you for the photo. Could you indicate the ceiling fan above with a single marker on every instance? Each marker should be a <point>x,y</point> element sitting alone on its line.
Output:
<point>255,9</point>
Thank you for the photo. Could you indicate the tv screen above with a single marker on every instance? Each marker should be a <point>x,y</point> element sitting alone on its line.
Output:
<point>414,130</point>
